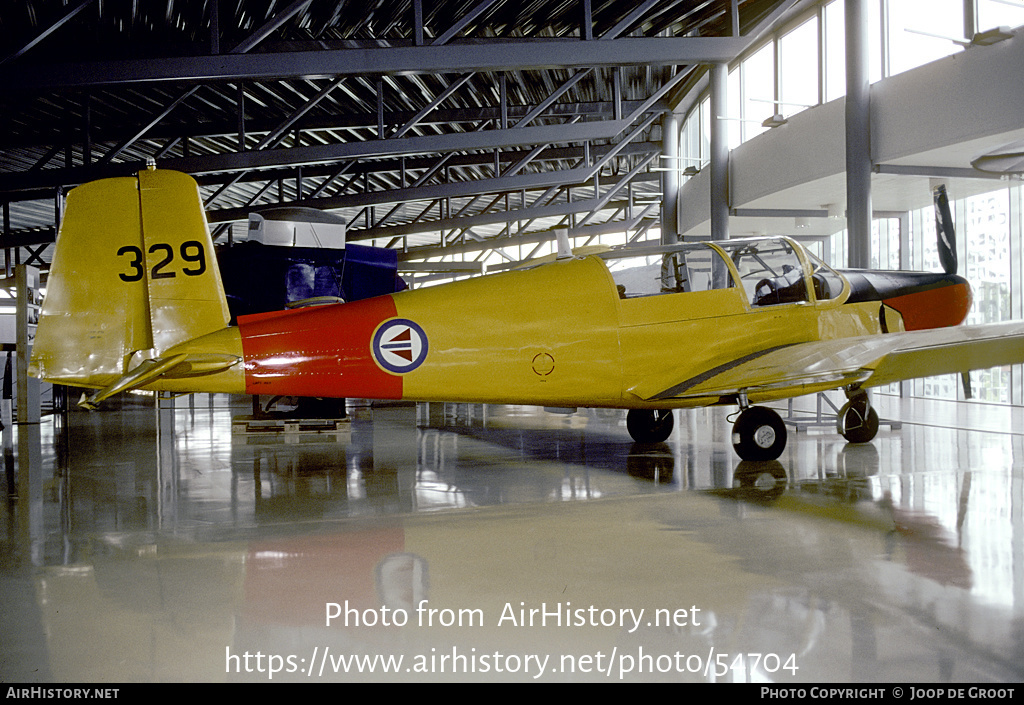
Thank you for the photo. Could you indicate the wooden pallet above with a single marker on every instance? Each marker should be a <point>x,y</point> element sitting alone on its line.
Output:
<point>249,425</point>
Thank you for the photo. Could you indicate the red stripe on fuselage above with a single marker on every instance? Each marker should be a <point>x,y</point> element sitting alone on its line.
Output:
<point>320,351</point>
<point>935,308</point>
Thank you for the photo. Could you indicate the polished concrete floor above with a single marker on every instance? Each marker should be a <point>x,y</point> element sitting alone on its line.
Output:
<point>458,542</point>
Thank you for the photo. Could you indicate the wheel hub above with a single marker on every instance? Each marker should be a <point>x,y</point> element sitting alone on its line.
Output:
<point>764,437</point>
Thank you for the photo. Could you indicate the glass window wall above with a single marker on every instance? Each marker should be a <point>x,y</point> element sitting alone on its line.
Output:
<point>758,79</point>
<point>983,224</point>
<point>835,50</point>
<point>798,78</point>
<point>812,59</point>
<point>921,31</point>
<point>999,13</point>
<point>811,69</point>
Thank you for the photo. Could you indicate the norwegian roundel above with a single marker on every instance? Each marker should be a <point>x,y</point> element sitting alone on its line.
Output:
<point>399,346</point>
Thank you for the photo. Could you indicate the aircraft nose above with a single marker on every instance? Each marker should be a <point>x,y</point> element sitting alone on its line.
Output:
<point>942,304</point>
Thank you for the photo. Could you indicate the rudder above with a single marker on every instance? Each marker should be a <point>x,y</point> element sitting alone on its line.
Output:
<point>186,296</point>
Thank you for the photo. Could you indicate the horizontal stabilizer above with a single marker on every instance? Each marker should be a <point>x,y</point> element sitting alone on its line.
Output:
<point>149,371</point>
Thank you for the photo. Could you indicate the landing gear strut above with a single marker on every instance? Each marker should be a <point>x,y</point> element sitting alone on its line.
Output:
<point>857,421</point>
<point>759,434</point>
<point>649,425</point>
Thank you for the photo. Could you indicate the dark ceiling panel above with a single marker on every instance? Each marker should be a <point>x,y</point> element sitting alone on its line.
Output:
<point>308,106</point>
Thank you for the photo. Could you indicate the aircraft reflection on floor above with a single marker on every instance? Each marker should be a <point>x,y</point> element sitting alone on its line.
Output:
<point>154,549</point>
<point>596,440</point>
<point>401,458</point>
<point>404,458</point>
<point>170,608</point>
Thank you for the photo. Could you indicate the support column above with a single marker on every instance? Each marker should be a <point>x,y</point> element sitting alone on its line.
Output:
<point>1016,282</point>
<point>29,456</point>
<point>906,386</point>
<point>168,469</point>
<point>670,178</point>
<point>858,137</point>
<point>7,419</point>
<point>970,19</point>
<point>27,314</point>
<point>719,153</point>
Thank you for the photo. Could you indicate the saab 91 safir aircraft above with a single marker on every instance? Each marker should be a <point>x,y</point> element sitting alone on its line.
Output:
<point>134,301</point>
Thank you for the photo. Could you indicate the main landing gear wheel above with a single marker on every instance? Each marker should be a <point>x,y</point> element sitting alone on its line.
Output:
<point>858,420</point>
<point>649,425</point>
<point>759,434</point>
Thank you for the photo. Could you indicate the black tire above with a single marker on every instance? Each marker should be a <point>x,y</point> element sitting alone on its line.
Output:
<point>650,425</point>
<point>856,426</point>
<point>759,434</point>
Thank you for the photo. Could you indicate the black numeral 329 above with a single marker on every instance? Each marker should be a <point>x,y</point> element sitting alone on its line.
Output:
<point>191,252</point>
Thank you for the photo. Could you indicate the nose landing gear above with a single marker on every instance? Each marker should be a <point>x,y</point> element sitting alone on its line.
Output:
<point>857,421</point>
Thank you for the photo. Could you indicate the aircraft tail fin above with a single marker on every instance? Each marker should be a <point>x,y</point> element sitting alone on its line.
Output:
<point>133,275</point>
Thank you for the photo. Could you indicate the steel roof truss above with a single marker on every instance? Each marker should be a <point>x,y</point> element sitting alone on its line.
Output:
<point>488,56</point>
<point>275,134</point>
<point>47,32</point>
<point>461,24</point>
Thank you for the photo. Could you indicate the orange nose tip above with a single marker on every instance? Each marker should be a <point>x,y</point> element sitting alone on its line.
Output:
<point>935,308</point>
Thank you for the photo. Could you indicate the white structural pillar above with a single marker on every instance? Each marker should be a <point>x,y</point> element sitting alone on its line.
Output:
<point>970,18</point>
<point>670,178</point>
<point>719,153</point>
<point>27,314</point>
<point>858,136</point>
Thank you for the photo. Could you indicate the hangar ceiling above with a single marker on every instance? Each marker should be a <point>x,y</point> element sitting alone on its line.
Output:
<point>439,127</point>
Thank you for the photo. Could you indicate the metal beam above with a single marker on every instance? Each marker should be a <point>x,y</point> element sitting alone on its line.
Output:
<point>47,32</point>
<point>215,27</point>
<point>228,126</point>
<point>276,133</point>
<point>125,144</point>
<point>588,231</point>
<point>628,20</point>
<point>313,154</point>
<point>778,213</point>
<point>418,144</point>
<point>480,219</point>
<point>938,172</point>
<point>462,22</point>
<point>270,26</point>
<point>27,186</point>
<point>627,178</point>
<point>417,192</point>
<point>420,266</point>
<point>521,164</point>
<point>555,95</point>
<point>410,165</point>
<point>441,97</point>
<point>490,55</point>
<point>422,193</point>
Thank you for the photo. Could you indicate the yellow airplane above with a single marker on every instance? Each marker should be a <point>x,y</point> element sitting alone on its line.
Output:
<point>134,301</point>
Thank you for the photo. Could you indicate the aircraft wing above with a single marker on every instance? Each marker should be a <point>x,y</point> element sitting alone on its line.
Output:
<point>871,361</point>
